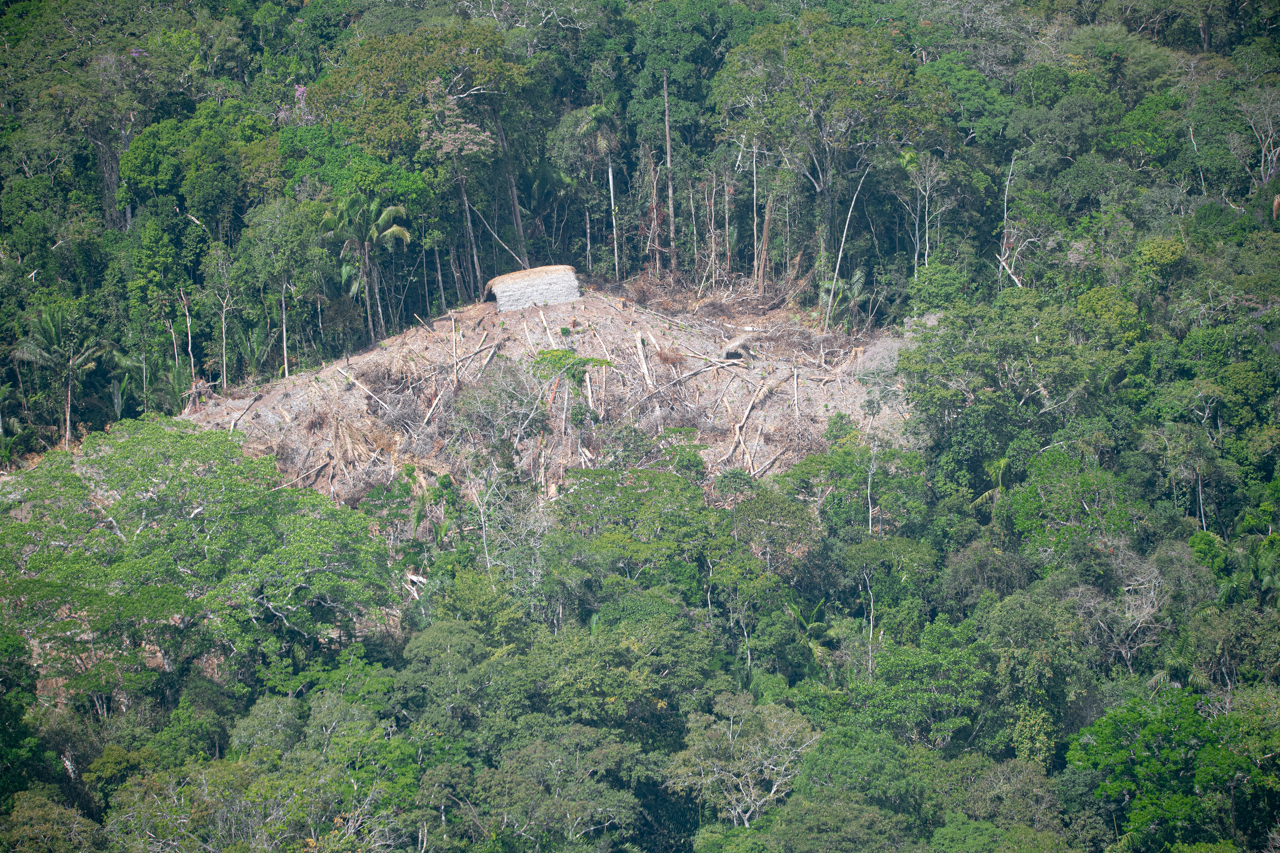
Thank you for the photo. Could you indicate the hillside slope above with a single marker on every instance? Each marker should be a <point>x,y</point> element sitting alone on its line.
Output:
<point>757,393</point>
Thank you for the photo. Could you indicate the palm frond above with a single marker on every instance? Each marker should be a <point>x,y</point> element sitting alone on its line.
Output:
<point>395,232</point>
<point>390,215</point>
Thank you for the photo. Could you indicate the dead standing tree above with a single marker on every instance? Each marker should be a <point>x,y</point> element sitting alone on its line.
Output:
<point>744,758</point>
<point>1130,622</point>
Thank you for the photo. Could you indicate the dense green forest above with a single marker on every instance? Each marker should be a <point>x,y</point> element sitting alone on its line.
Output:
<point>1046,617</point>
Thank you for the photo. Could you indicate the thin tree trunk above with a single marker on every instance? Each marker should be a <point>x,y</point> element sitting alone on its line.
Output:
<point>915,238</point>
<point>613,212</point>
<point>586,217</point>
<point>711,220</point>
<point>471,236</point>
<point>439,279</point>
<point>457,277</point>
<point>177,365</point>
<point>764,247</point>
<point>671,203</point>
<point>786,241</point>
<point>927,211</point>
<point>393,311</point>
<point>938,242</point>
<point>368,309</point>
<point>870,473</point>
<point>515,197</point>
<point>190,354</point>
<point>223,318</point>
<point>66,437</point>
<point>654,242</point>
<point>493,240</point>
<point>1199,485</point>
<point>728,263</point>
<point>284,324</point>
<point>377,295</point>
<point>693,221</point>
<point>426,288</point>
<point>840,254</point>
<point>755,212</point>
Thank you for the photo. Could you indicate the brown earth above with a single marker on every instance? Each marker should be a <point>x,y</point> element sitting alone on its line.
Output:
<point>757,388</point>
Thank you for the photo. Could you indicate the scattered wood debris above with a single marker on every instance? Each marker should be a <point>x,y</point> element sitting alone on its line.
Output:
<point>758,394</point>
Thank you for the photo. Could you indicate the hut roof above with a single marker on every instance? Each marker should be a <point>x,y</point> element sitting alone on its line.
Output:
<point>538,286</point>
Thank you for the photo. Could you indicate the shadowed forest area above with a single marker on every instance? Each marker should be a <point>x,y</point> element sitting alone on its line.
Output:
<point>1039,613</point>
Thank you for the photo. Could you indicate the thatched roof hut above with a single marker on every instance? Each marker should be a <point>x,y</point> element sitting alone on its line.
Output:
<point>538,286</point>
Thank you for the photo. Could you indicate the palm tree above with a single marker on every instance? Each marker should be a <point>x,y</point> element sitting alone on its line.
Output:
<point>1258,558</point>
<point>1262,558</point>
<point>854,293</point>
<point>123,381</point>
<point>363,224</point>
<point>1180,668</point>
<point>119,391</point>
<point>815,631</point>
<point>255,342</point>
<point>1000,471</point>
<point>53,343</point>
<point>10,427</point>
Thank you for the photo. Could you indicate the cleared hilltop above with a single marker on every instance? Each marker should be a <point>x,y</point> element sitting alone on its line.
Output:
<point>756,391</point>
